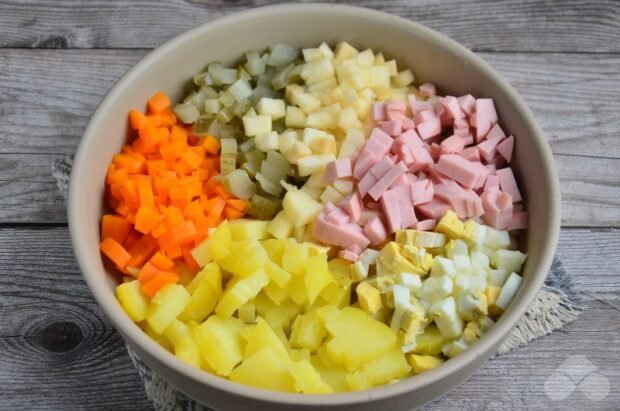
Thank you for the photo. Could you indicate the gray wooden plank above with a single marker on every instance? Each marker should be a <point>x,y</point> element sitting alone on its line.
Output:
<point>60,352</point>
<point>588,26</point>
<point>45,110</point>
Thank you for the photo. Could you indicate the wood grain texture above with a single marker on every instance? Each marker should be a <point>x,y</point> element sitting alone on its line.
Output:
<point>53,333</point>
<point>47,97</point>
<point>531,25</point>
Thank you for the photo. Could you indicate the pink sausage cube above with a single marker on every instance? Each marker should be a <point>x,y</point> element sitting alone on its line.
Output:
<point>505,148</point>
<point>492,183</point>
<point>336,169</point>
<point>366,183</point>
<point>424,116</point>
<point>352,205</point>
<point>383,166</point>
<point>451,104</point>
<point>467,103</point>
<point>402,180</point>
<point>375,231</point>
<point>517,221</point>
<point>392,127</point>
<point>348,255</point>
<point>508,184</point>
<point>422,191</point>
<point>389,203</point>
<point>452,144</point>
<point>364,162</point>
<point>471,153</point>
<point>428,90</point>
<point>426,225</point>
<point>421,159</point>
<point>468,173</point>
<point>377,111</point>
<point>433,209</point>
<point>338,217</point>
<point>388,178</point>
<point>487,147</point>
<point>395,110</point>
<point>429,128</point>
<point>496,130</point>
<point>417,105</point>
<point>408,124</point>
<point>368,215</point>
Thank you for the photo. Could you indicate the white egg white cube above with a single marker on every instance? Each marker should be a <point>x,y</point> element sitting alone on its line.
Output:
<point>446,317</point>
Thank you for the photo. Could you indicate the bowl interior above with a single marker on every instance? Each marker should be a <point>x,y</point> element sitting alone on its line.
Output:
<point>431,57</point>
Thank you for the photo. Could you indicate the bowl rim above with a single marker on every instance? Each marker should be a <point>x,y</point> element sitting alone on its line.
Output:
<point>136,336</point>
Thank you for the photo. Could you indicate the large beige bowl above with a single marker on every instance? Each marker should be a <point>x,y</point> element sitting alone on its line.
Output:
<point>432,57</point>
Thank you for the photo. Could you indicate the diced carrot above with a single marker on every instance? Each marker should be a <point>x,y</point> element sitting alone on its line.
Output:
<point>115,252</point>
<point>159,230</point>
<point>237,204</point>
<point>123,209</point>
<point>142,250</point>
<point>115,191</point>
<point>211,164</point>
<point>115,227</point>
<point>155,120</point>
<point>154,167</point>
<point>137,120</point>
<point>168,117</point>
<point>162,262</point>
<point>220,190</point>
<point>152,287</point>
<point>172,150</point>
<point>201,174</point>
<point>179,235</point>
<point>145,192</point>
<point>116,175</point>
<point>147,218</point>
<point>173,253</point>
<point>211,144</point>
<point>178,134</point>
<point>148,272</point>
<point>232,214</point>
<point>129,191</point>
<point>191,264</point>
<point>131,239</point>
<point>158,103</point>
<point>173,217</point>
<point>131,163</point>
<point>150,136</point>
<point>214,207</point>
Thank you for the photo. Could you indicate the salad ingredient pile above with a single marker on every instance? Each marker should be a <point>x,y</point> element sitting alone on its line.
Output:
<point>310,221</point>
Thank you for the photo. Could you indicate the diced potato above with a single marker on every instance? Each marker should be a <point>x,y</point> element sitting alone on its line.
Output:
<point>166,305</point>
<point>206,292</point>
<point>242,229</point>
<point>300,208</point>
<point>262,336</point>
<point>347,348</point>
<point>255,125</point>
<point>429,342</point>
<point>265,369</point>
<point>266,141</point>
<point>295,117</point>
<point>133,300</point>
<point>307,379</point>
<point>275,249</point>
<point>176,331</point>
<point>357,381</point>
<point>421,363</point>
<point>241,292</point>
<point>187,351</point>
<point>220,343</point>
<point>278,316</point>
<point>215,247</point>
<point>317,276</point>
<point>277,274</point>
<point>369,297</point>
<point>390,366</point>
<point>247,313</point>
<point>295,254</point>
<point>275,108</point>
<point>308,331</point>
<point>281,226</point>
<point>245,258</point>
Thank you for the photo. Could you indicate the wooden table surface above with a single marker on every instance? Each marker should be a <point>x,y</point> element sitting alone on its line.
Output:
<point>59,58</point>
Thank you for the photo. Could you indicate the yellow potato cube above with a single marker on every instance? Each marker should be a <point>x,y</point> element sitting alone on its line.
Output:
<point>187,351</point>
<point>166,305</point>
<point>243,229</point>
<point>133,300</point>
<point>265,369</point>
<point>429,342</point>
<point>206,290</point>
<point>346,347</point>
<point>158,338</point>
<point>308,331</point>
<point>294,256</point>
<point>299,354</point>
<point>278,316</point>
<point>334,375</point>
<point>421,363</point>
<point>277,274</point>
<point>275,249</point>
<point>215,247</point>
<point>317,276</point>
<point>245,258</point>
<point>358,381</point>
<point>392,365</point>
<point>307,379</point>
<point>220,343</point>
<point>336,294</point>
<point>297,290</point>
<point>369,297</point>
<point>176,331</point>
<point>241,292</point>
<point>247,313</point>
<point>260,336</point>
<point>275,293</point>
